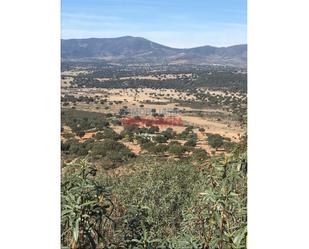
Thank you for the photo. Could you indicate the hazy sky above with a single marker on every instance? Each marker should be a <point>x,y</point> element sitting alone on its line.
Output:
<point>176,23</point>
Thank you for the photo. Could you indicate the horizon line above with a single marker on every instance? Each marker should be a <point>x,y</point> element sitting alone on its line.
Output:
<point>130,36</point>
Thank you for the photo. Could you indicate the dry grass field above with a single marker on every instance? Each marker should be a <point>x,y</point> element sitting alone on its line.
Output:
<point>180,103</point>
<point>159,100</point>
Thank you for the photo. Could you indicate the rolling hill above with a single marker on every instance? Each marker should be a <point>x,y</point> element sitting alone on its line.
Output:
<point>137,50</point>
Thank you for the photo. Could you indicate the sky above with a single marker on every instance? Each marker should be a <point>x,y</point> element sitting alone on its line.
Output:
<point>175,23</point>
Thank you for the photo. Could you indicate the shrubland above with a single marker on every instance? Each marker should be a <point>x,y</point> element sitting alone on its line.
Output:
<point>194,202</point>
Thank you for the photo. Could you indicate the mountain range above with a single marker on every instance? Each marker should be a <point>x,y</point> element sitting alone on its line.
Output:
<point>137,50</point>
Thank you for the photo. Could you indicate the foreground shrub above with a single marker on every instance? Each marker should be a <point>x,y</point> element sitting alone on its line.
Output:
<point>164,203</point>
<point>86,207</point>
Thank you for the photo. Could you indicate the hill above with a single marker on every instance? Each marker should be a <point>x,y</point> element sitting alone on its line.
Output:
<point>137,50</point>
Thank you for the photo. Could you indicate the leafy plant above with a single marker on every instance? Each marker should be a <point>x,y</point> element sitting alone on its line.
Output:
<point>86,207</point>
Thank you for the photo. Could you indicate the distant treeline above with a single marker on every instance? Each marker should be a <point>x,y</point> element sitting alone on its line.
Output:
<point>216,80</point>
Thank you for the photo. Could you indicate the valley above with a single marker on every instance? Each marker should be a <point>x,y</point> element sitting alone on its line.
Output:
<point>153,149</point>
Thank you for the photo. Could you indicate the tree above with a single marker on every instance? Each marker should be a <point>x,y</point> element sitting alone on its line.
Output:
<point>80,133</point>
<point>142,140</point>
<point>169,133</point>
<point>189,129</point>
<point>190,143</point>
<point>201,130</point>
<point>153,129</point>
<point>215,140</point>
<point>160,139</point>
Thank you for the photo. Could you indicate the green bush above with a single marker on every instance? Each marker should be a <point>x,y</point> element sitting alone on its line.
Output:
<point>160,139</point>
<point>82,120</point>
<point>74,147</point>
<point>169,133</point>
<point>160,148</point>
<point>80,133</point>
<point>111,153</point>
<point>201,130</point>
<point>200,154</point>
<point>153,129</point>
<point>215,140</point>
<point>176,149</point>
<point>109,133</point>
<point>190,143</point>
<point>99,135</point>
<point>195,202</point>
<point>188,134</point>
<point>155,199</point>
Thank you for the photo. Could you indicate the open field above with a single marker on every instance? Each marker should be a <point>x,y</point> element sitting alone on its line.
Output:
<point>212,119</point>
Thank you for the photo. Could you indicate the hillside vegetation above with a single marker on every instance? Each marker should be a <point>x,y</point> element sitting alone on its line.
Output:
<point>156,202</point>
